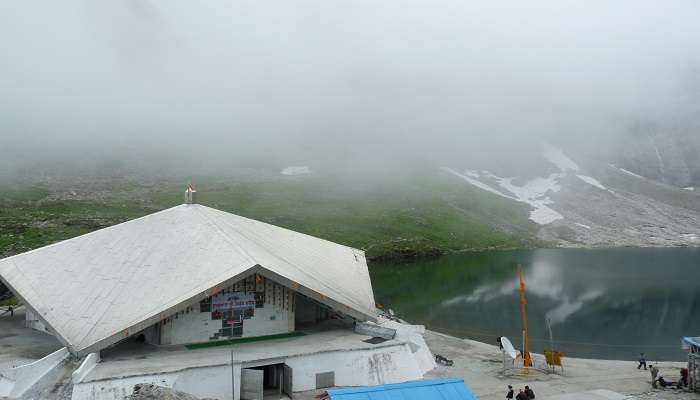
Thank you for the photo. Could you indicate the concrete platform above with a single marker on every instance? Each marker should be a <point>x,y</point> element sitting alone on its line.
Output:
<point>209,373</point>
<point>599,394</point>
<point>136,360</point>
<point>481,366</point>
<point>20,345</point>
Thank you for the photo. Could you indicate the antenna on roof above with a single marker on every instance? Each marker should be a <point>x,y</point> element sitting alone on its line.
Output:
<point>190,194</point>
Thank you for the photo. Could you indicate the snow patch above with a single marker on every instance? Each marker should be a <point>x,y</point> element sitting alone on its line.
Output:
<point>472,174</point>
<point>534,188</point>
<point>631,173</point>
<point>558,158</point>
<point>533,192</point>
<point>469,177</point>
<point>628,172</point>
<point>296,170</point>
<point>544,215</point>
<point>662,168</point>
<point>592,181</point>
<point>582,225</point>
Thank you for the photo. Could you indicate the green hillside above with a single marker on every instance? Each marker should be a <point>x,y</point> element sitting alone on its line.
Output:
<point>405,217</point>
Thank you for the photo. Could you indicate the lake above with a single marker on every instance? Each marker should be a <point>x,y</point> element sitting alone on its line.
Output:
<point>602,303</point>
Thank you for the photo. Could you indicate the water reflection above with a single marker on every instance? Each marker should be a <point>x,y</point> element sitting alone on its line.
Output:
<point>545,280</point>
<point>610,303</point>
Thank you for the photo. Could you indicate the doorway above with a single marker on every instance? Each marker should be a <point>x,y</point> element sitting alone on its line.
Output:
<point>266,382</point>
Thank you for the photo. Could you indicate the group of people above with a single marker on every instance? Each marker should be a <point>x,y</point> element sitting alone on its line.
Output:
<point>657,379</point>
<point>523,394</point>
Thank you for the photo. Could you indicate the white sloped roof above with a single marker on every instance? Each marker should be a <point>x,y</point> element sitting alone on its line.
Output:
<point>97,288</point>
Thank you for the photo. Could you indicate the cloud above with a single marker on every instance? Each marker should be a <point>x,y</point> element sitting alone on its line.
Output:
<point>335,80</point>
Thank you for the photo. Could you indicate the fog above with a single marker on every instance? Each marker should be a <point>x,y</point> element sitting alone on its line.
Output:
<point>311,82</point>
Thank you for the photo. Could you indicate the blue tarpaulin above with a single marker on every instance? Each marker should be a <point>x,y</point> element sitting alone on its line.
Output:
<point>436,389</point>
<point>693,341</point>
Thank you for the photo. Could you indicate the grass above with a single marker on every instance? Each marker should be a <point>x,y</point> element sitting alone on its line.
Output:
<point>407,217</point>
<point>30,219</point>
<point>204,345</point>
<point>10,301</point>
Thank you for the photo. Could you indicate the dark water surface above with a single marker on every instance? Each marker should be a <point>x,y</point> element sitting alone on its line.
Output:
<point>602,303</point>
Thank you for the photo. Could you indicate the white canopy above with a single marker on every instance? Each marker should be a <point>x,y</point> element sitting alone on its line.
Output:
<point>95,289</point>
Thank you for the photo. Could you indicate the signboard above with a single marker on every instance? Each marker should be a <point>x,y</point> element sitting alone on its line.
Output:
<point>553,357</point>
<point>232,301</point>
<point>232,308</point>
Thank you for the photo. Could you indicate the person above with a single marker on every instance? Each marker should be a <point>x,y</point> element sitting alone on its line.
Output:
<point>642,361</point>
<point>663,382</point>
<point>500,344</point>
<point>11,310</point>
<point>684,377</point>
<point>529,393</point>
<point>509,395</point>
<point>521,395</point>
<point>654,374</point>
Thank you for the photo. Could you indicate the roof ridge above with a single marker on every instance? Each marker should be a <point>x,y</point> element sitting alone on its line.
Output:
<point>225,235</point>
<point>329,284</point>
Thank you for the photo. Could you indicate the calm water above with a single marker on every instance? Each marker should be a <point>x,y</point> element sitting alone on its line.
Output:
<point>607,303</point>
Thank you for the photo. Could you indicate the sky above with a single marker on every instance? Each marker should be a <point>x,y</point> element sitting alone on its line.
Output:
<point>336,81</point>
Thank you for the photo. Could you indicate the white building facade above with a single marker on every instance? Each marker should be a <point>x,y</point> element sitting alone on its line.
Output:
<point>252,307</point>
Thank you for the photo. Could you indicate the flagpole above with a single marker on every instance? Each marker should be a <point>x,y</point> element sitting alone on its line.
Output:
<point>233,385</point>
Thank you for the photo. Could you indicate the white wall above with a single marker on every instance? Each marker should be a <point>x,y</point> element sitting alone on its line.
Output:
<point>192,326</point>
<point>414,335</point>
<point>119,389</point>
<point>384,365</point>
<point>189,327</point>
<point>269,320</point>
<point>15,381</point>
<point>32,321</point>
<point>212,382</point>
<point>86,367</point>
<point>389,364</point>
<point>207,382</point>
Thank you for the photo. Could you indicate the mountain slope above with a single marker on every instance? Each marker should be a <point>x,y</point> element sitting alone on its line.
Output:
<point>668,153</point>
<point>598,205</point>
<point>388,216</point>
<point>561,201</point>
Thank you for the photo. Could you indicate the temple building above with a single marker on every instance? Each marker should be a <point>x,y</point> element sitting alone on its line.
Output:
<point>195,279</point>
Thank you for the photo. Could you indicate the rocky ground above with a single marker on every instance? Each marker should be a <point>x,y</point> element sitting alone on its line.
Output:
<point>632,212</point>
<point>153,392</point>
<point>586,203</point>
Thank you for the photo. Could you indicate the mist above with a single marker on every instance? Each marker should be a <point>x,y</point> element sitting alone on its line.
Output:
<point>205,85</point>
